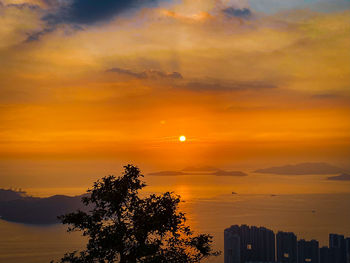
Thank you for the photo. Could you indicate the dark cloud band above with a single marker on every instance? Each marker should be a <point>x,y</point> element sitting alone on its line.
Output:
<point>148,74</point>
<point>234,12</point>
<point>93,11</point>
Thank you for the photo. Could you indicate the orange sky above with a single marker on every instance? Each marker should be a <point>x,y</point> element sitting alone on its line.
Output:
<point>271,86</point>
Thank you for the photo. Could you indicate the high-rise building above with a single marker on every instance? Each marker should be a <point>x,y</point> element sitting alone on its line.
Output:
<point>325,255</point>
<point>232,246</point>
<point>256,243</point>
<point>337,243</point>
<point>245,244</point>
<point>347,249</point>
<point>286,247</point>
<point>308,251</point>
<point>266,245</point>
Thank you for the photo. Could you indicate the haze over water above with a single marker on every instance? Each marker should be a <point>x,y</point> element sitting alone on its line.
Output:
<point>210,207</point>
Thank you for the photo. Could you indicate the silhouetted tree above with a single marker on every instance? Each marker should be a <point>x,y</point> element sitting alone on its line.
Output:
<point>123,227</point>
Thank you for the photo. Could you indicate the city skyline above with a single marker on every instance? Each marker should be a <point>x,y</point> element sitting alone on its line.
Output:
<point>245,244</point>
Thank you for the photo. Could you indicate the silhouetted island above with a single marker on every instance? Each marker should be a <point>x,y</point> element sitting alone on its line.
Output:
<point>168,173</point>
<point>342,177</point>
<point>20,208</point>
<point>205,170</point>
<point>9,194</point>
<point>302,169</point>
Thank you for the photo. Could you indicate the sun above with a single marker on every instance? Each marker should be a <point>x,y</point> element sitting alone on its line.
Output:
<point>182,138</point>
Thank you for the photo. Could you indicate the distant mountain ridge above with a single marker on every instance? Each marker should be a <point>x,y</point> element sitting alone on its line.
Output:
<point>168,173</point>
<point>302,169</point>
<point>9,194</point>
<point>342,177</point>
<point>15,207</point>
<point>203,170</point>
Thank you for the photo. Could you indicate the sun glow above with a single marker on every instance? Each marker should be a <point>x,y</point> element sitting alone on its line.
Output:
<point>182,138</point>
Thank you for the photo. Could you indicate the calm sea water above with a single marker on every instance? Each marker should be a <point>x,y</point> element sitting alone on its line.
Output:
<point>276,202</point>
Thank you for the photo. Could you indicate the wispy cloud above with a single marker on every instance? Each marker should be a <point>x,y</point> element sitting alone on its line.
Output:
<point>147,74</point>
<point>225,87</point>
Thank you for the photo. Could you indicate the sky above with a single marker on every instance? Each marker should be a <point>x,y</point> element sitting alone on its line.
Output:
<point>244,80</point>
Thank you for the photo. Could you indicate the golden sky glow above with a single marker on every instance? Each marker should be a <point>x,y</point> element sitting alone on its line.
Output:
<point>268,83</point>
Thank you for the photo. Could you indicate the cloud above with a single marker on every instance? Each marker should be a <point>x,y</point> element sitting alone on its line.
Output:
<point>58,85</point>
<point>23,6</point>
<point>147,74</point>
<point>342,177</point>
<point>16,20</point>
<point>272,6</point>
<point>229,87</point>
<point>77,13</point>
<point>87,12</point>
<point>35,36</point>
<point>325,96</point>
<point>236,12</point>
<point>195,86</point>
<point>302,169</point>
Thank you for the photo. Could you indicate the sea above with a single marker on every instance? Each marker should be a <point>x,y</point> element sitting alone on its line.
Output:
<point>299,205</point>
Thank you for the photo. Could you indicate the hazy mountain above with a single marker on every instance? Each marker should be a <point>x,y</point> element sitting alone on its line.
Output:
<point>9,194</point>
<point>168,173</point>
<point>34,210</point>
<point>342,177</point>
<point>216,172</point>
<point>228,173</point>
<point>302,169</point>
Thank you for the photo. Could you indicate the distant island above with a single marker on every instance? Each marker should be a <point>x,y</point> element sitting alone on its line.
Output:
<point>10,194</point>
<point>201,170</point>
<point>229,173</point>
<point>342,177</point>
<point>18,207</point>
<point>168,173</point>
<point>302,169</point>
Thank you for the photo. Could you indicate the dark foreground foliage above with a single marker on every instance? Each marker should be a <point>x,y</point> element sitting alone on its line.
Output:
<point>123,227</point>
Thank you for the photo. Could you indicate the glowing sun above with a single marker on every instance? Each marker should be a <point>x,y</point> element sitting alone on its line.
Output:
<point>182,138</point>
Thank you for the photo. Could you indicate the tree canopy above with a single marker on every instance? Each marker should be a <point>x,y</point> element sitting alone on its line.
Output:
<point>121,226</point>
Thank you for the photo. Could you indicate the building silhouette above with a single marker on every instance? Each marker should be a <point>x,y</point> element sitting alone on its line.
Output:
<point>347,249</point>
<point>232,246</point>
<point>256,244</point>
<point>308,251</point>
<point>251,244</point>
<point>327,255</point>
<point>286,247</point>
<point>338,244</point>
